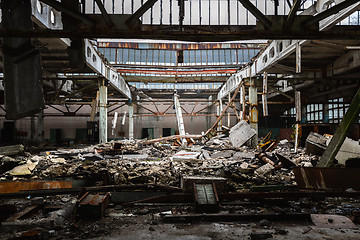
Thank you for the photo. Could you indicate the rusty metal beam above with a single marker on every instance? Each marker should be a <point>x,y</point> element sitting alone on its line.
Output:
<point>189,33</point>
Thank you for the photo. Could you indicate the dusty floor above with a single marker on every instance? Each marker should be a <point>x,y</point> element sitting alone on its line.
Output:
<point>144,227</point>
<point>117,225</point>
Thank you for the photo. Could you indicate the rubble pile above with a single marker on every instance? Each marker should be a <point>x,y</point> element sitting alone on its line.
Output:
<point>130,162</point>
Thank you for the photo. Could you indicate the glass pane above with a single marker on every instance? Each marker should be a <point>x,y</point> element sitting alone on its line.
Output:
<point>120,55</point>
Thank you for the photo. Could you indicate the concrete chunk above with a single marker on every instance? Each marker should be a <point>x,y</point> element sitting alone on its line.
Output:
<point>11,150</point>
<point>241,133</point>
<point>264,170</point>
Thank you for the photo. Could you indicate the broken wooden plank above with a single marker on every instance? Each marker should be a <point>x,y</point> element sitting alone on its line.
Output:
<point>25,213</point>
<point>173,137</point>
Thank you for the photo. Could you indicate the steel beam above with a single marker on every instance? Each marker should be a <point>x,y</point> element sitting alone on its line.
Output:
<point>259,65</point>
<point>105,15</point>
<point>257,13</point>
<point>58,6</point>
<point>190,33</point>
<point>136,15</point>
<point>340,133</point>
<point>292,14</point>
<point>331,11</point>
<point>96,63</point>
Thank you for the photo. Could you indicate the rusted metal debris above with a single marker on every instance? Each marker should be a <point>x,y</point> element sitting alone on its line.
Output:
<point>327,178</point>
<point>263,157</point>
<point>90,205</point>
<point>285,162</point>
<point>14,187</point>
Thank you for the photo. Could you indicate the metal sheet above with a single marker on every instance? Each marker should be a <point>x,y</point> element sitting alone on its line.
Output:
<point>327,178</point>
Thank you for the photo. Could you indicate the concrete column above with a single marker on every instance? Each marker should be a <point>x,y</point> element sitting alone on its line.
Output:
<point>219,111</point>
<point>131,121</point>
<point>40,132</point>
<point>253,110</point>
<point>103,114</point>
<point>208,118</point>
<point>32,129</point>
<point>180,120</point>
<point>242,102</point>
<point>228,120</point>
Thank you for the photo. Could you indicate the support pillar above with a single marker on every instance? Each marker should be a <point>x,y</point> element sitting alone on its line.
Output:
<point>341,131</point>
<point>180,119</point>
<point>298,118</point>
<point>208,118</point>
<point>298,58</point>
<point>242,102</point>
<point>131,121</point>
<point>264,95</point>
<point>40,132</point>
<point>32,129</point>
<point>103,114</point>
<point>253,110</point>
<point>228,117</point>
<point>220,109</point>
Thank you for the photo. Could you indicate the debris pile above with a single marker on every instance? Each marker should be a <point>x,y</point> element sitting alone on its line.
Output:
<point>166,182</point>
<point>130,162</point>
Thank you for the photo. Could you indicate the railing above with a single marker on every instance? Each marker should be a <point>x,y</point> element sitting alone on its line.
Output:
<point>197,12</point>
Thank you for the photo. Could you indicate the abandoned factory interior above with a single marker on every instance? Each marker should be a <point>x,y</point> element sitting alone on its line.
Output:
<point>179,119</point>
